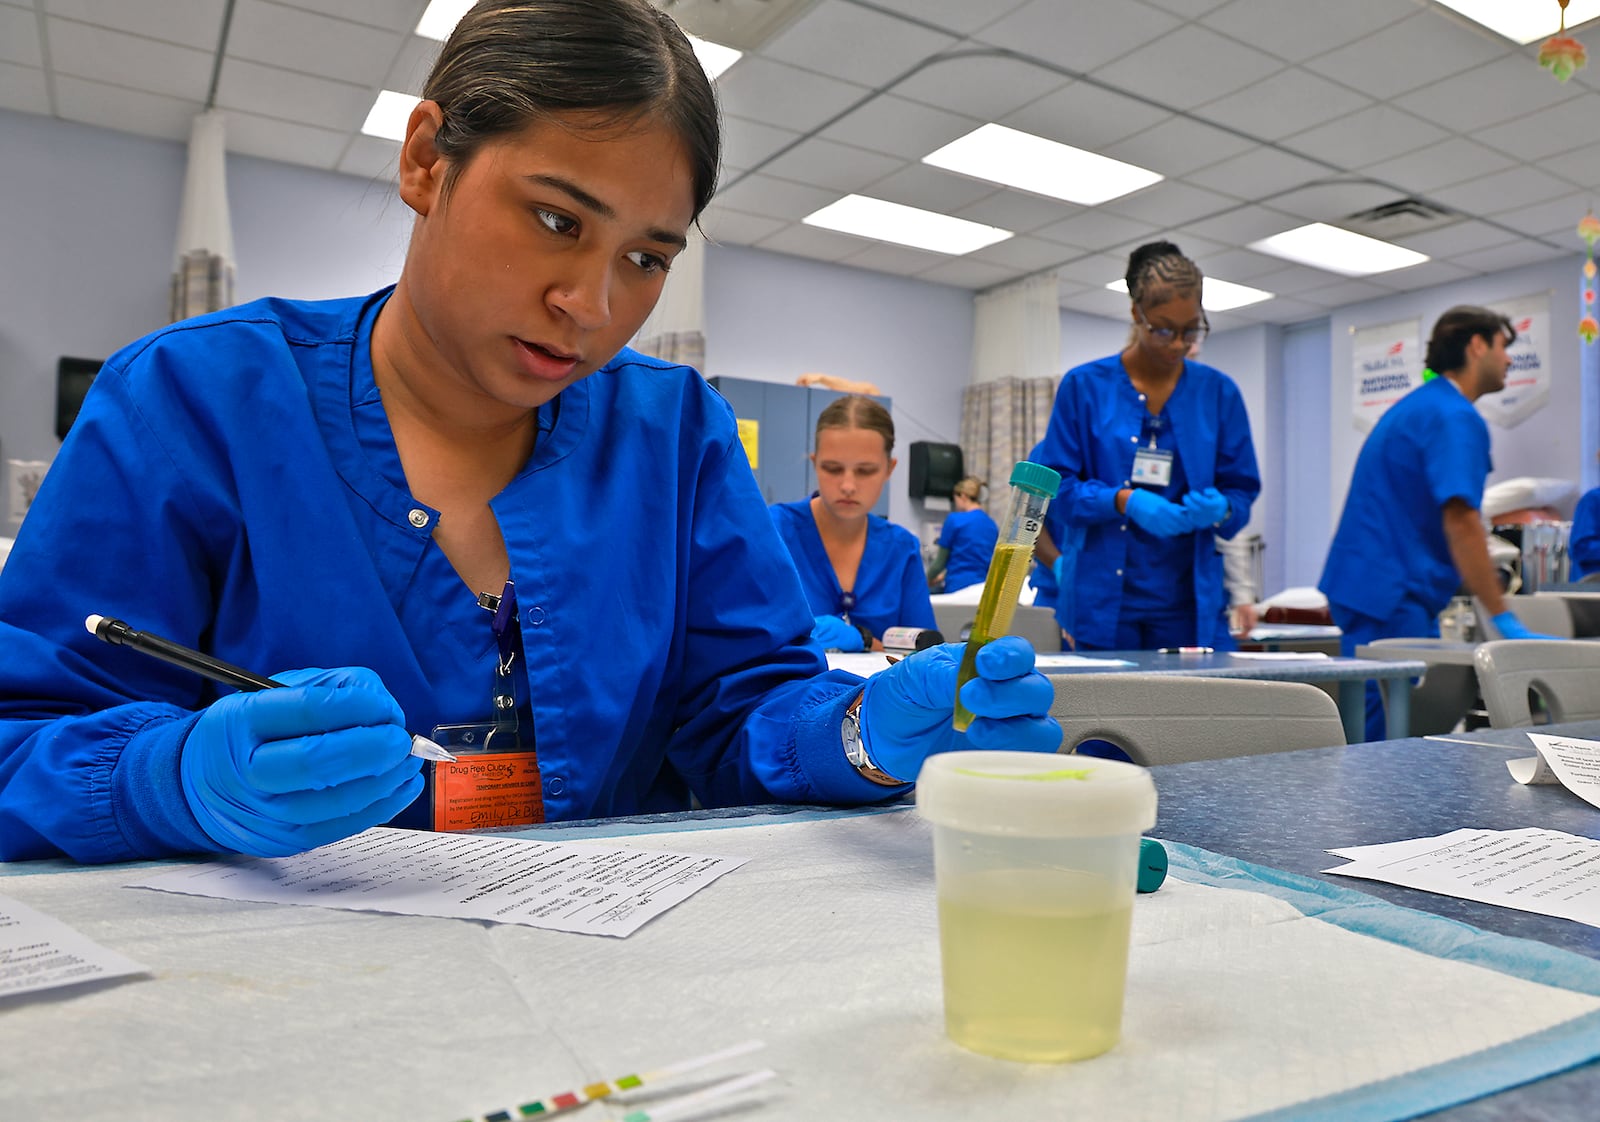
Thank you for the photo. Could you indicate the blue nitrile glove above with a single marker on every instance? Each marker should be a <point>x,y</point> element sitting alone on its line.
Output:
<point>1055,570</point>
<point>1162,518</point>
<point>833,633</point>
<point>282,771</point>
<point>905,715</point>
<point>1510,627</point>
<point>1206,508</point>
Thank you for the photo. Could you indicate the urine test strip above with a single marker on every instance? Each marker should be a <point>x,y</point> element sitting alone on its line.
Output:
<point>692,1103</point>
<point>567,1100</point>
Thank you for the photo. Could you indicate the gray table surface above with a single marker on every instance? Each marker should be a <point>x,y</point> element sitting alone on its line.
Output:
<point>1434,654</point>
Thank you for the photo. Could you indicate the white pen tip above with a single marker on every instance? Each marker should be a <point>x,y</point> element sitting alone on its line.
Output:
<point>428,750</point>
<point>93,624</point>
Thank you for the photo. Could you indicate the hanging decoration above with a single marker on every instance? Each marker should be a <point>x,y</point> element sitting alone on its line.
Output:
<point>1589,231</point>
<point>1561,54</point>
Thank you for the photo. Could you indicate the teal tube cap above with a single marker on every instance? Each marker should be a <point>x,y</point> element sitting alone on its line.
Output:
<point>1036,478</point>
<point>1152,864</point>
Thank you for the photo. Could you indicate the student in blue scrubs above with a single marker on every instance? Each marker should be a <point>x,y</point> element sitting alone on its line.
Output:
<point>1411,534</point>
<point>1583,541</point>
<point>966,540</point>
<point>862,574</point>
<point>295,485</point>
<point>1155,458</point>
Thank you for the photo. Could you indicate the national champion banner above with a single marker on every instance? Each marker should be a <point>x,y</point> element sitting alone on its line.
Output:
<point>1386,364</point>
<point>1528,379</point>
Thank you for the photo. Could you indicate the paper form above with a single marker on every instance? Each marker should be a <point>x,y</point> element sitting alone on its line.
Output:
<point>1281,656</point>
<point>1573,763</point>
<point>1546,872</point>
<point>589,889</point>
<point>39,952</point>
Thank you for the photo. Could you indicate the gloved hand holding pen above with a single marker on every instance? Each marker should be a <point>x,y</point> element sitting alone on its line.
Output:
<point>906,713</point>
<point>282,771</point>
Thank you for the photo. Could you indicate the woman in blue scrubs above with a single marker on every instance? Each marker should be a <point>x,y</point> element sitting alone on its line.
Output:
<point>1155,457</point>
<point>350,484</point>
<point>862,574</point>
<point>966,540</point>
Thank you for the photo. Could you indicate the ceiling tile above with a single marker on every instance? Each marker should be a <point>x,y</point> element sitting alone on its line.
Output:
<point>395,15</point>
<point>901,259</point>
<point>808,241</point>
<point>1286,309</point>
<point>1097,300</point>
<point>732,227</point>
<point>1178,146</point>
<point>188,23</point>
<point>1554,219</point>
<point>1509,256</point>
<point>408,73</point>
<point>1289,101</point>
<point>1503,190</point>
<point>1190,66</point>
<point>1298,29</point>
<point>778,94</point>
<point>1258,173</point>
<point>371,157</point>
<point>1489,94</point>
<point>19,37</point>
<point>967,273</point>
<point>1243,266</point>
<point>285,141</point>
<point>1333,201</point>
<point>1425,275</point>
<point>838,167</point>
<point>1170,203</point>
<point>774,198</point>
<point>311,44</point>
<point>1040,29</point>
<point>1580,167</point>
<point>1097,230</point>
<point>1439,165</point>
<point>1371,134</point>
<point>1456,238</point>
<point>1189,9</point>
<point>1345,292</point>
<point>1246,224</point>
<point>748,144</point>
<point>1546,132</point>
<point>1031,254</point>
<point>961,17</point>
<point>131,61</point>
<point>1096,270</point>
<point>114,107</point>
<point>1295,280</point>
<point>855,43</point>
<point>271,92</point>
<point>899,127</point>
<point>22,88</point>
<point>1406,55</point>
<point>1016,211</point>
<point>983,86</point>
<point>1086,115</point>
<point>931,188</point>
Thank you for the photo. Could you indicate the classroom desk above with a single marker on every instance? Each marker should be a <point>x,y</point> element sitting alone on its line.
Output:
<point>1349,675</point>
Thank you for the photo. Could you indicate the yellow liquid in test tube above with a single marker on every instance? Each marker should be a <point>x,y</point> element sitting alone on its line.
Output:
<point>996,609</point>
<point>1035,963</point>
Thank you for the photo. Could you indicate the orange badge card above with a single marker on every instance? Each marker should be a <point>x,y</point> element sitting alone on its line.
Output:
<point>480,792</point>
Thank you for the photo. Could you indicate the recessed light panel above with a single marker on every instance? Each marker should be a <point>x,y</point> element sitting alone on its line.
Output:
<point>1044,167</point>
<point>441,17</point>
<point>716,58</point>
<point>1339,251</point>
<point>904,225</point>
<point>388,116</point>
<point>1523,21</point>
<point>1220,295</point>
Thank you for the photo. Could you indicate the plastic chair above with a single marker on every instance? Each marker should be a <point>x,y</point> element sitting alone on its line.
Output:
<point>1172,719</point>
<point>1446,693</point>
<point>1037,625</point>
<point>1547,615</point>
<point>1565,676</point>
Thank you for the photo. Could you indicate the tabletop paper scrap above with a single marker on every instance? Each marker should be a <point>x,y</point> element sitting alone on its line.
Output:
<point>862,663</point>
<point>1280,656</point>
<point>1051,660</point>
<point>1546,872</point>
<point>590,889</point>
<point>1566,760</point>
<point>870,663</point>
<point>39,952</point>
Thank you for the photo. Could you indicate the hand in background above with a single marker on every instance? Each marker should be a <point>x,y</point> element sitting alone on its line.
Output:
<point>282,771</point>
<point>1157,515</point>
<point>833,634</point>
<point>906,713</point>
<point>1510,627</point>
<point>1206,508</point>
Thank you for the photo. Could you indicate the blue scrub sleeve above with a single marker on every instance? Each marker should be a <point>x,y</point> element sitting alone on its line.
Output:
<point>1237,475</point>
<point>1457,459</point>
<point>947,533</point>
<point>1584,543</point>
<point>1068,448</point>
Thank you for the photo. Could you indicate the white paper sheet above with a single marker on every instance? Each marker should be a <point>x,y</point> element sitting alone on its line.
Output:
<point>39,952</point>
<point>1052,660</point>
<point>866,664</point>
<point>1280,656</point>
<point>871,663</point>
<point>590,889</point>
<point>1566,760</point>
<point>1532,870</point>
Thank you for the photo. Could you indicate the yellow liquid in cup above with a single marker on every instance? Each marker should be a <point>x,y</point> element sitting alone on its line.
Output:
<point>1035,963</point>
<point>996,609</point>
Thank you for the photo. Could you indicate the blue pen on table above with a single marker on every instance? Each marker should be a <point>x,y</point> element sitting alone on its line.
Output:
<point>116,632</point>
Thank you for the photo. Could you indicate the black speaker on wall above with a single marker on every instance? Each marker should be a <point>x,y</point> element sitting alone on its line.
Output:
<point>935,469</point>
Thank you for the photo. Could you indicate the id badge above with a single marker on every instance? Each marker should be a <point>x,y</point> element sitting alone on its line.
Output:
<point>494,781</point>
<point>1152,467</point>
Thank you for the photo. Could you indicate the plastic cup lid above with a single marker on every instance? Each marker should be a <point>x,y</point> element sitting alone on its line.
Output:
<point>1035,794</point>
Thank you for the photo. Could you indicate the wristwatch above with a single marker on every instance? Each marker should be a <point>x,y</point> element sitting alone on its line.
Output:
<point>855,748</point>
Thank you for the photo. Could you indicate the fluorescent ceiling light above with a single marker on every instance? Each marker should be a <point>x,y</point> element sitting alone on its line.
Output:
<point>1220,295</point>
<point>388,116</point>
<point>905,225</point>
<point>716,58</point>
<point>1032,163</point>
<point>1339,251</point>
<point>1523,21</point>
<point>441,18</point>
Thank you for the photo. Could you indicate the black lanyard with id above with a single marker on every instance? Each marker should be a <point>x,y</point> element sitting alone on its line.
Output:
<point>1152,466</point>
<point>495,778</point>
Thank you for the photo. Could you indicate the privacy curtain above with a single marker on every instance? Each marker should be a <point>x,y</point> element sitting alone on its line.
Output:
<point>675,330</point>
<point>202,273</point>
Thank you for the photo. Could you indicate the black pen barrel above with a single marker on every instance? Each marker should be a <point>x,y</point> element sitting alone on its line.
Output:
<point>197,661</point>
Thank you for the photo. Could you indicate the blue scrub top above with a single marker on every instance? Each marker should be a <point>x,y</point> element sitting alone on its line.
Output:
<point>1158,580</point>
<point>970,536</point>
<point>891,588</point>
<point>1583,544</point>
<point>231,484</point>
<point>1094,430</point>
<point>1430,447</point>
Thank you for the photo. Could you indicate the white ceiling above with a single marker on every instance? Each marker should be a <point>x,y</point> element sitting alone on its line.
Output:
<point>1263,114</point>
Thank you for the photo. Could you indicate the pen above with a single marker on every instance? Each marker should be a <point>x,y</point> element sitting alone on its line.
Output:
<point>1187,650</point>
<point>116,632</point>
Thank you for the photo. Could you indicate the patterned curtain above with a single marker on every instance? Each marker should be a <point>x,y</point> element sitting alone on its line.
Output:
<point>675,329</point>
<point>1001,421</point>
<point>202,273</point>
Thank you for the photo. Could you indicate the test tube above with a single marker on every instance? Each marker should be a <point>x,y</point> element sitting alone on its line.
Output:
<point>1032,487</point>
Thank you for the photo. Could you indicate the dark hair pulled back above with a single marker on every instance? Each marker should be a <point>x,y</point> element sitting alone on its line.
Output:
<point>1158,272</point>
<point>855,411</point>
<point>1447,346</point>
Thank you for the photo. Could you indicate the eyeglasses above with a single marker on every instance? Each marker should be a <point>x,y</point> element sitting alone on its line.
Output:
<point>1190,335</point>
